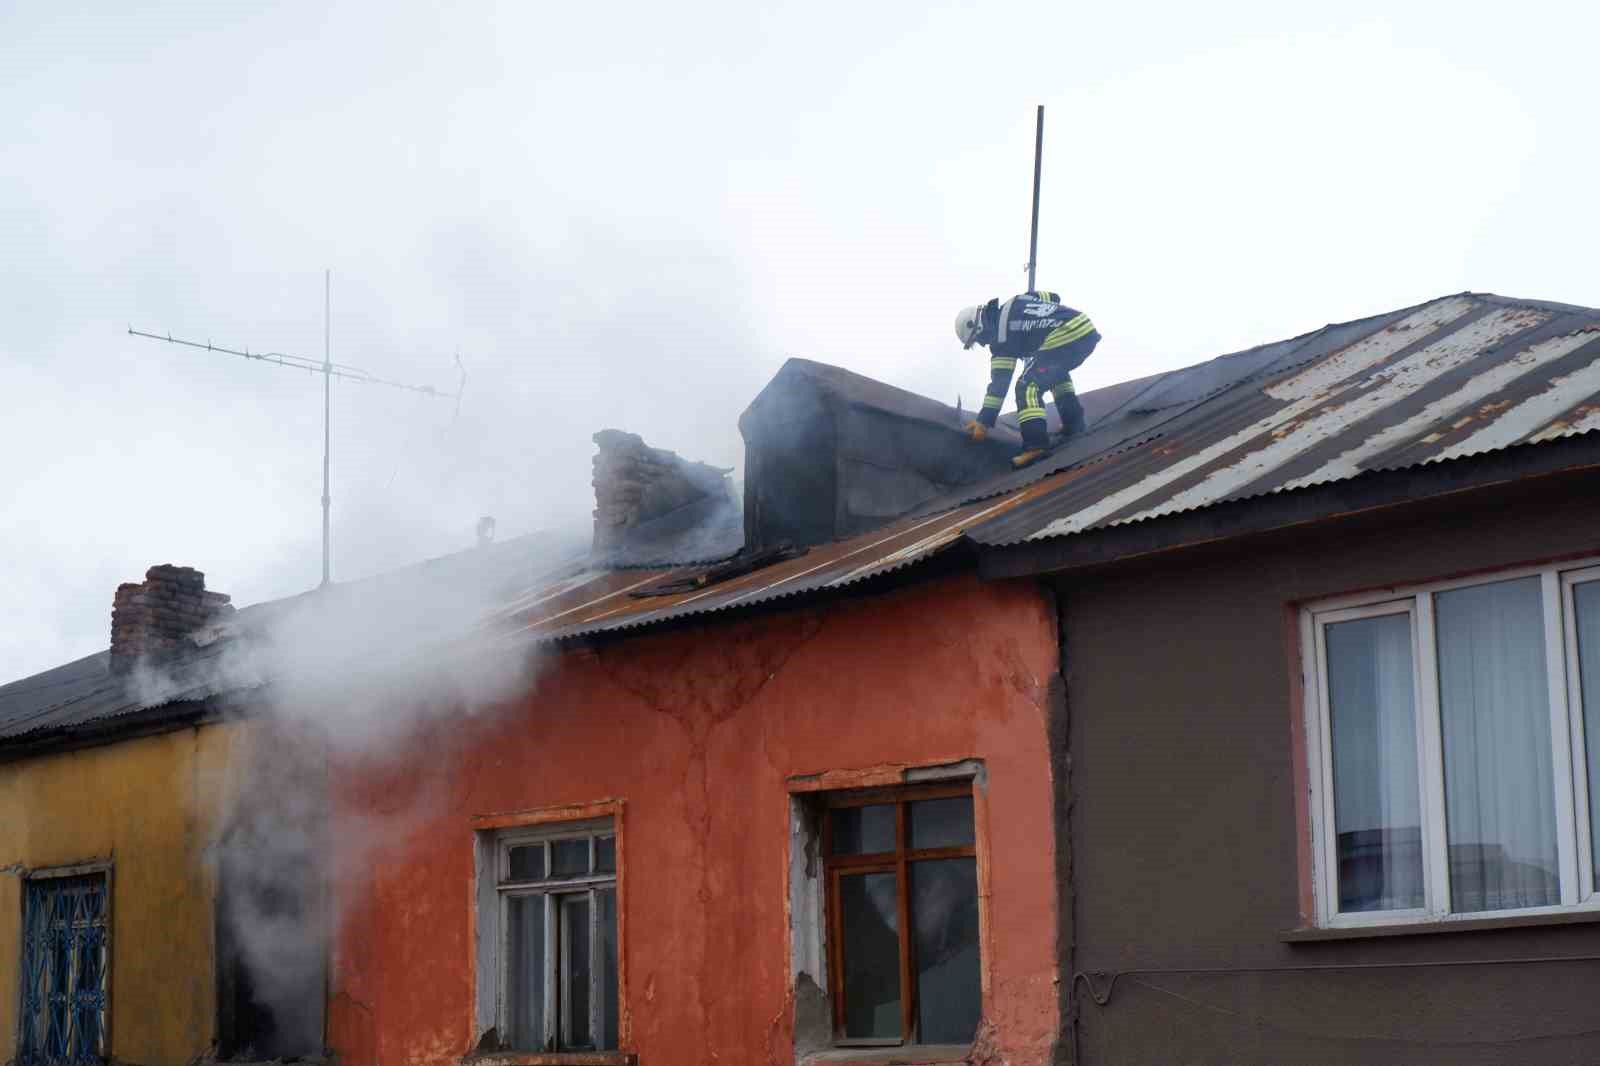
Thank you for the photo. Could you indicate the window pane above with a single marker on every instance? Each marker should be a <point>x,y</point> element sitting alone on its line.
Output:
<point>1586,598</point>
<point>608,968</point>
<point>869,908</point>
<point>569,858</point>
<point>574,971</point>
<point>527,863</point>
<point>940,823</point>
<point>605,855</point>
<point>1377,809</point>
<point>525,972</point>
<point>1494,706</point>
<point>944,919</point>
<point>863,830</point>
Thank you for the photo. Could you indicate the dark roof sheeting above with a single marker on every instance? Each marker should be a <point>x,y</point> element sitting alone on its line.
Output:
<point>862,391</point>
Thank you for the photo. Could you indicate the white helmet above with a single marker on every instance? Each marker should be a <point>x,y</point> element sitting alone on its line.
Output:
<point>968,323</point>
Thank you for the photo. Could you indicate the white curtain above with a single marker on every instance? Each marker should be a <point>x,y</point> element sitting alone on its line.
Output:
<point>1586,598</point>
<point>1377,811</point>
<point>1495,719</point>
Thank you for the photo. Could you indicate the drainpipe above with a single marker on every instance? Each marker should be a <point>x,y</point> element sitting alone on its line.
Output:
<point>1060,743</point>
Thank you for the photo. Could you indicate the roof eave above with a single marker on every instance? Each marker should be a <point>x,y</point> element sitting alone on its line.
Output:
<point>1369,493</point>
<point>149,721</point>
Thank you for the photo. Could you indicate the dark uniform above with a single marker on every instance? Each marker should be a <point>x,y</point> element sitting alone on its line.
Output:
<point>1051,340</point>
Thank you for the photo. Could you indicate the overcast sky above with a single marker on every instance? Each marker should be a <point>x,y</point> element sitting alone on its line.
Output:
<point>629,215</point>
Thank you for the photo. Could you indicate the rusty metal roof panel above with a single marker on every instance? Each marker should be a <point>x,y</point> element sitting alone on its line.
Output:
<point>1458,376</point>
<point>594,601</point>
<point>1448,377</point>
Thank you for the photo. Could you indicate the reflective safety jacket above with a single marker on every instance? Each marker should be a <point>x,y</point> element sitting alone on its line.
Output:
<point>1027,327</point>
<point>1032,324</point>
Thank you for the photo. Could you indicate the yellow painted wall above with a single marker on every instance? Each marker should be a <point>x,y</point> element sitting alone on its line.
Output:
<point>152,805</point>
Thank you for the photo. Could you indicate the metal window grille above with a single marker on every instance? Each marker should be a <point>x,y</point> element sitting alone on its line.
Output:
<point>66,951</point>
<point>558,915</point>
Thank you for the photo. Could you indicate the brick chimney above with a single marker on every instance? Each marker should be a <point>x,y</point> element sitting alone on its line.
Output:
<point>151,619</point>
<point>635,484</point>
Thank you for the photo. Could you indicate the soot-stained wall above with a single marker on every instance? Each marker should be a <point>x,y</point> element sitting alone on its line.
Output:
<point>1184,824</point>
<point>698,737</point>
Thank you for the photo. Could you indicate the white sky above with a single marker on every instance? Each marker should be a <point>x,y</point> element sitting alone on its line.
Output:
<point>629,215</point>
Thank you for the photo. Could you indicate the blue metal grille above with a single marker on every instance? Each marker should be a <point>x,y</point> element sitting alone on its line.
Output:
<point>65,948</point>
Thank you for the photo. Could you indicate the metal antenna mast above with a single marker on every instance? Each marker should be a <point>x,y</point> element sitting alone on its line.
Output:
<point>329,370</point>
<point>327,413</point>
<point>1033,237</point>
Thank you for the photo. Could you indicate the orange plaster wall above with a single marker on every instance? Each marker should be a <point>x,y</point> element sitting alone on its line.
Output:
<point>698,733</point>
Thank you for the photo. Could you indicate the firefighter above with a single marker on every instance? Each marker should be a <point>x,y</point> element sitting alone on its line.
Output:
<point>1052,340</point>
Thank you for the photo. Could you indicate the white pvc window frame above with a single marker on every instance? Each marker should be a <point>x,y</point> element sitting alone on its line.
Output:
<point>558,996</point>
<point>1568,743</point>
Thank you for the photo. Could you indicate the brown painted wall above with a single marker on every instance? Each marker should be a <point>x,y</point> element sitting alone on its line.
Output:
<point>697,733</point>
<point>1184,827</point>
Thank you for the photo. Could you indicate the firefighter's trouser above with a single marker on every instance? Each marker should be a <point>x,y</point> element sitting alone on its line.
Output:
<point>1052,373</point>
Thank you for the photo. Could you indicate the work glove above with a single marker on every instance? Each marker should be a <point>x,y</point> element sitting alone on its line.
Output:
<point>975,431</point>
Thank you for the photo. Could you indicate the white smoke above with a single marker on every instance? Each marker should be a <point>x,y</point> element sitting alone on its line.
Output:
<point>350,674</point>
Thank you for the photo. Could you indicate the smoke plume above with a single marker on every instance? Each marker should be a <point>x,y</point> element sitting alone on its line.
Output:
<point>355,673</point>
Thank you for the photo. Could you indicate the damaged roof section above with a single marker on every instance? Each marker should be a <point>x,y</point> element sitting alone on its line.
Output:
<point>655,508</point>
<point>589,602</point>
<point>1444,380</point>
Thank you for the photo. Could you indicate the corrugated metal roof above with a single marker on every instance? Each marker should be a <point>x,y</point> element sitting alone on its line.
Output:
<point>85,691</point>
<point>1450,378</point>
<point>1458,376</point>
<point>590,602</point>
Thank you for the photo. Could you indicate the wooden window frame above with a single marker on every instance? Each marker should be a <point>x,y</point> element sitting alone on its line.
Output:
<point>897,862</point>
<point>552,890</point>
<point>1577,887</point>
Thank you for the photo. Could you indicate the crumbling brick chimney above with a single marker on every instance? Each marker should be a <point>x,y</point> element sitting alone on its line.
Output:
<point>150,619</point>
<point>635,484</point>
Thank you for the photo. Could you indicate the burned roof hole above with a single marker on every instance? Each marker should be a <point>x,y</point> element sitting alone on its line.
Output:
<point>738,566</point>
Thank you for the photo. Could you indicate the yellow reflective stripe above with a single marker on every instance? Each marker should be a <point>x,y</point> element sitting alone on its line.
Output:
<point>1031,406</point>
<point>1068,332</point>
<point>1002,362</point>
<point>992,403</point>
<point>1065,388</point>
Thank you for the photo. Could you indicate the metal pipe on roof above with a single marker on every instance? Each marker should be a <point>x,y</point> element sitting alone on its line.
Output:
<point>1033,236</point>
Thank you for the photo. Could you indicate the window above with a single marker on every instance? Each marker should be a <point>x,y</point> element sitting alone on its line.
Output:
<point>66,953</point>
<point>1454,737</point>
<point>902,884</point>
<point>556,895</point>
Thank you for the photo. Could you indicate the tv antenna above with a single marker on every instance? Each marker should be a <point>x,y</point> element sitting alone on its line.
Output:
<point>329,370</point>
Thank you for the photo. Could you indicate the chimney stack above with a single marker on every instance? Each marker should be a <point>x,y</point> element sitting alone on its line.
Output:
<point>152,618</point>
<point>635,483</point>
